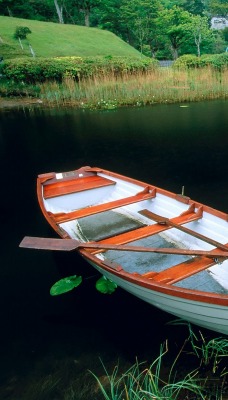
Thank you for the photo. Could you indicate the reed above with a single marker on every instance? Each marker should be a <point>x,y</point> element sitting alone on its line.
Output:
<point>206,381</point>
<point>159,86</point>
<point>144,383</point>
<point>210,352</point>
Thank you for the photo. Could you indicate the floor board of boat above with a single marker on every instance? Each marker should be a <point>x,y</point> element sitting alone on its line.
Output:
<point>110,223</point>
<point>145,262</point>
<point>145,231</point>
<point>202,281</point>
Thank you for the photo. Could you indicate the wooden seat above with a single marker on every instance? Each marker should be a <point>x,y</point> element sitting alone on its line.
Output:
<point>85,212</point>
<point>180,271</point>
<point>64,187</point>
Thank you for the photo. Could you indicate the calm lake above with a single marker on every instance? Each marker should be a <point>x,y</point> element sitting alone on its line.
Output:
<point>47,343</point>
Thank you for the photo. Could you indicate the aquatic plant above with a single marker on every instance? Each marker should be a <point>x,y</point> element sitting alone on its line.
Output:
<point>140,382</point>
<point>210,352</point>
<point>64,285</point>
<point>162,85</point>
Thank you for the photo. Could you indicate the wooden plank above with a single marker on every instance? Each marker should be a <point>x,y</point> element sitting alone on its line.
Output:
<point>181,271</point>
<point>75,185</point>
<point>146,231</point>
<point>85,212</point>
<point>165,221</point>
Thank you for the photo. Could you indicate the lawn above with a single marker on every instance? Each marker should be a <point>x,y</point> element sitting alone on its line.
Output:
<point>52,40</point>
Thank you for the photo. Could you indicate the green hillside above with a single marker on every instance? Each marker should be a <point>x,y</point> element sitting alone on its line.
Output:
<point>49,39</point>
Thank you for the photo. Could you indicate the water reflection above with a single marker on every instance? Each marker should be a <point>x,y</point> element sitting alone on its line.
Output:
<point>168,146</point>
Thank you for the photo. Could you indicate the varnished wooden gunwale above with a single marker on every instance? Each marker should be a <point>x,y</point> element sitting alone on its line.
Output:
<point>188,294</point>
<point>178,197</point>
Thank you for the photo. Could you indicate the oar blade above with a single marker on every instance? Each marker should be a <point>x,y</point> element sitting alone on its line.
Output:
<point>49,244</point>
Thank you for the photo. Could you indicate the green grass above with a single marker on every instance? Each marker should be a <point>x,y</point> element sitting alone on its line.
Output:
<point>52,40</point>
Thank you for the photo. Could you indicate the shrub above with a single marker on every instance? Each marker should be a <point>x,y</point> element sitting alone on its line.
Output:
<point>21,32</point>
<point>40,70</point>
<point>216,61</point>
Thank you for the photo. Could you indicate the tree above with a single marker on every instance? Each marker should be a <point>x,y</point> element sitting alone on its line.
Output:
<point>108,16</point>
<point>218,7</point>
<point>59,10</point>
<point>138,17</point>
<point>86,6</point>
<point>200,31</point>
<point>196,7</point>
<point>173,24</point>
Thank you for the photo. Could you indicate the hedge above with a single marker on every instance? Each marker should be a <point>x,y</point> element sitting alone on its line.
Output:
<point>41,70</point>
<point>216,61</point>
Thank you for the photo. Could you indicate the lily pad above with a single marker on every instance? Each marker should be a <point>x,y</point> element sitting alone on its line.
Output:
<point>65,285</point>
<point>105,285</point>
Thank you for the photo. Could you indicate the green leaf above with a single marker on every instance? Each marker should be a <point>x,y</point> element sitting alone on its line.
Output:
<point>105,285</point>
<point>65,285</point>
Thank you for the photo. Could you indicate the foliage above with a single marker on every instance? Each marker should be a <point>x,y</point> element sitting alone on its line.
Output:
<point>40,70</point>
<point>174,25</point>
<point>199,31</point>
<point>218,7</point>
<point>211,352</point>
<point>216,61</point>
<point>21,32</point>
<point>140,382</point>
<point>65,285</point>
<point>105,286</point>
<point>157,25</point>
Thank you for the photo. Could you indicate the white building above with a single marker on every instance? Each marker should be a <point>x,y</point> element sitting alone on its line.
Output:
<point>219,23</point>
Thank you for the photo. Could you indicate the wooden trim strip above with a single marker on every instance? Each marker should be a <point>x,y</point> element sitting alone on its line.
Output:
<point>146,194</point>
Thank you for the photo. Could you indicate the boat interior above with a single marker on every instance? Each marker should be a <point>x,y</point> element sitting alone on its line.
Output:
<point>93,206</point>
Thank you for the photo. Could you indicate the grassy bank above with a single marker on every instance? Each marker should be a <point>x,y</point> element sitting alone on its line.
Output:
<point>53,40</point>
<point>159,86</point>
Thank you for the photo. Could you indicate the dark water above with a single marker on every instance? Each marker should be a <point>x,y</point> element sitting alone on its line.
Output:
<point>48,343</point>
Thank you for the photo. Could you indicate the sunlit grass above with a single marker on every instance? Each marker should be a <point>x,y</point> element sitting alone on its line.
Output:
<point>50,39</point>
<point>164,85</point>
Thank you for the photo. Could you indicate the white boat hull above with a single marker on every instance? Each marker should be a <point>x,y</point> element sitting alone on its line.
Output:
<point>211,316</point>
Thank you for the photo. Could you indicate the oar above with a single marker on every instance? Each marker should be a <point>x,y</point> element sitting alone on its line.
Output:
<point>72,244</point>
<point>165,221</point>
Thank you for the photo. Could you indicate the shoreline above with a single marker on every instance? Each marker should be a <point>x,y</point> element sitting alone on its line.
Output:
<point>21,102</point>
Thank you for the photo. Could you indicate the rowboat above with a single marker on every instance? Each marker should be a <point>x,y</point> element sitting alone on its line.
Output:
<point>164,248</point>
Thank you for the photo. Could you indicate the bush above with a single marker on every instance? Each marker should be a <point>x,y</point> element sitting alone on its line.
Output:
<point>216,61</point>
<point>40,70</point>
<point>21,32</point>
